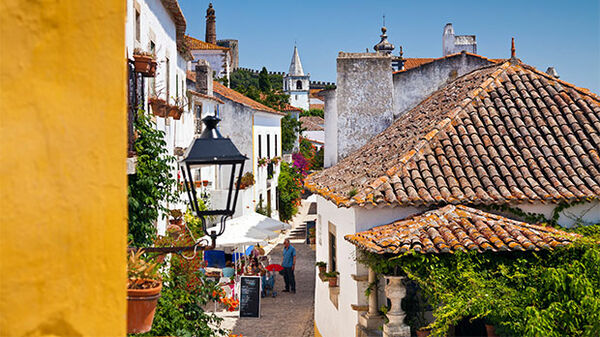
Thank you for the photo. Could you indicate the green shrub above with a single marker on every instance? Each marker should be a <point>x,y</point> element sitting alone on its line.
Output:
<point>290,191</point>
<point>152,186</point>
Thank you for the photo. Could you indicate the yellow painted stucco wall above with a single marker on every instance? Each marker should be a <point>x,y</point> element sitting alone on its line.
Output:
<point>63,196</point>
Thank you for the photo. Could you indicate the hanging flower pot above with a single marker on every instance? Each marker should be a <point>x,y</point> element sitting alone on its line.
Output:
<point>141,307</point>
<point>159,106</point>
<point>205,183</point>
<point>145,64</point>
<point>175,111</point>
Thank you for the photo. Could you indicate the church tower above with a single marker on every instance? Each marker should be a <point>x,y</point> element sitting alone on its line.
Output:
<point>296,84</point>
<point>211,29</point>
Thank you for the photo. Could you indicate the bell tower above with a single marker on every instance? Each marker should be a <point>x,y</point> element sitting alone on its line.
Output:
<point>297,84</point>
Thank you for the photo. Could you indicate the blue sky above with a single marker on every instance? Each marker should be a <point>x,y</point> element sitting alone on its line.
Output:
<point>563,34</point>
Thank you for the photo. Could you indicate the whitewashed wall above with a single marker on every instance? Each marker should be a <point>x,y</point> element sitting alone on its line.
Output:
<point>332,321</point>
<point>156,25</point>
<point>266,124</point>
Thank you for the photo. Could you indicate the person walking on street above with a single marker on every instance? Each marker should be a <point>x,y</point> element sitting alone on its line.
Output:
<point>288,264</point>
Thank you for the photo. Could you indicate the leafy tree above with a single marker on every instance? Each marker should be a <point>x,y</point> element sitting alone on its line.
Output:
<point>152,186</point>
<point>290,127</point>
<point>318,159</point>
<point>313,112</point>
<point>264,84</point>
<point>290,191</point>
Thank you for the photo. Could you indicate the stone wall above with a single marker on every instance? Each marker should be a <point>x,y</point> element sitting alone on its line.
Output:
<point>364,95</point>
<point>414,85</point>
<point>233,46</point>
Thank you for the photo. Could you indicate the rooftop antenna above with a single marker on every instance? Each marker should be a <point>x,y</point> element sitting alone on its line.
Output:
<point>384,20</point>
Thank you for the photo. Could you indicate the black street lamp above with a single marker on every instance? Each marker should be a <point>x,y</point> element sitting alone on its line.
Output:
<point>209,150</point>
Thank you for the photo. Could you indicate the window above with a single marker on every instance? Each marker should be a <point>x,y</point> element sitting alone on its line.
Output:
<point>259,146</point>
<point>168,77</point>
<point>299,85</point>
<point>152,80</point>
<point>268,146</point>
<point>138,20</point>
<point>275,145</point>
<point>332,248</point>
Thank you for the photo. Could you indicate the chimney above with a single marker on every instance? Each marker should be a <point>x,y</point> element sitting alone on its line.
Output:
<point>364,99</point>
<point>204,78</point>
<point>448,40</point>
<point>552,72</point>
<point>211,28</point>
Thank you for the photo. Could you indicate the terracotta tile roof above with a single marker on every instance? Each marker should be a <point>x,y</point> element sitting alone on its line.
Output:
<point>453,228</point>
<point>506,133</point>
<point>195,44</point>
<point>312,123</point>
<point>291,108</point>
<point>317,106</point>
<point>416,62</point>
<point>314,93</point>
<point>191,75</point>
<point>195,93</point>
<point>239,98</point>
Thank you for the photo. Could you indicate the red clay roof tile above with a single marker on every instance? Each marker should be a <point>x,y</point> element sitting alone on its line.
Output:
<point>453,228</point>
<point>506,133</point>
<point>239,98</point>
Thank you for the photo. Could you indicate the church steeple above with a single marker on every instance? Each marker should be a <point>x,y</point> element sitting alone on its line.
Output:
<point>296,65</point>
<point>211,29</point>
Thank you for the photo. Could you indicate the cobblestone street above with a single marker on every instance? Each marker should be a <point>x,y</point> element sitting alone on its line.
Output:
<point>287,314</point>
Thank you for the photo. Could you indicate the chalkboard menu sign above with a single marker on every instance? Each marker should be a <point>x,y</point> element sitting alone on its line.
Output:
<point>250,296</point>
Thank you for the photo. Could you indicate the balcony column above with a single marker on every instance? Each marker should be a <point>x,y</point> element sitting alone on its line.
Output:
<point>373,310</point>
<point>371,320</point>
<point>395,291</point>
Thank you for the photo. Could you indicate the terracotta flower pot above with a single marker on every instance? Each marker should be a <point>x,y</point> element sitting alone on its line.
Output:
<point>141,306</point>
<point>175,111</point>
<point>205,183</point>
<point>423,333</point>
<point>145,65</point>
<point>159,106</point>
<point>322,269</point>
<point>490,330</point>
<point>332,281</point>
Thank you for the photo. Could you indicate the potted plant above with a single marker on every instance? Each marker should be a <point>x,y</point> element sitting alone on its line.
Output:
<point>247,179</point>
<point>262,162</point>
<point>311,236</point>
<point>159,106</point>
<point>177,217</point>
<point>143,290</point>
<point>144,63</point>
<point>490,329</point>
<point>332,277</point>
<point>175,111</point>
<point>415,307</point>
<point>322,266</point>
<point>275,160</point>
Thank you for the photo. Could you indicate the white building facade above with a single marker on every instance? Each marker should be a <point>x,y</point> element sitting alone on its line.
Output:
<point>158,27</point>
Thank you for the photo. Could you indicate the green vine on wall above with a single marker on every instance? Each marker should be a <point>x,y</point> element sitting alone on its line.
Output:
<point>547,293</point>
<point>536,217</point>
<point>152,186</point>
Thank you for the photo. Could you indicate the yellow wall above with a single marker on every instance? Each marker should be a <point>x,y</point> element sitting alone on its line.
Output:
<point>62,168</point>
